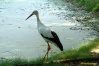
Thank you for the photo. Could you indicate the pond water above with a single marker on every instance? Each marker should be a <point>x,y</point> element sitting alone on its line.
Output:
<point>20,38</point>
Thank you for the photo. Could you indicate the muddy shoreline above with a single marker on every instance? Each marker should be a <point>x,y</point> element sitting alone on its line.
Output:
<point>91,19</point>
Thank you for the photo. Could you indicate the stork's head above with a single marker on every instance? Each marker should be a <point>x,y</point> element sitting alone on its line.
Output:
<point>33,13</point>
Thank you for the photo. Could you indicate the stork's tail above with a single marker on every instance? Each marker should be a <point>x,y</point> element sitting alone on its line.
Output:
<point>60,45</point>
<point>57,41</point>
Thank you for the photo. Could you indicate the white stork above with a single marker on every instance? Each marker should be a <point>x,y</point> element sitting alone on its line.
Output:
<point>47,33</point>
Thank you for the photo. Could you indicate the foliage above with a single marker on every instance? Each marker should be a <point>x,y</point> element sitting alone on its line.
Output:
<point>90,5</point>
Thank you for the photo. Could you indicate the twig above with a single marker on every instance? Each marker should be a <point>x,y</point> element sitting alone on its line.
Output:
<point>64,61</point>
<point>92,59</point>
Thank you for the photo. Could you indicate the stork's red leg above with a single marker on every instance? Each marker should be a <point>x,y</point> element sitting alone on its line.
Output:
<point>48,49</point>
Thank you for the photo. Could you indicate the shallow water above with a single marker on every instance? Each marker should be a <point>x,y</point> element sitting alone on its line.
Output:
<point>20,38</point>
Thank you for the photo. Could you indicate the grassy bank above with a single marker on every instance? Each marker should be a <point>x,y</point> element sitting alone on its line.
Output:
<point>88,5</point>
<point>81,52</point>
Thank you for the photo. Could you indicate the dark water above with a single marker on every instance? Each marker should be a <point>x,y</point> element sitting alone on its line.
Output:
<point>20,38</point>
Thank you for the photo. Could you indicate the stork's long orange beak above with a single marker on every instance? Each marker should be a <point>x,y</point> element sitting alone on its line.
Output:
<point>29,16</point>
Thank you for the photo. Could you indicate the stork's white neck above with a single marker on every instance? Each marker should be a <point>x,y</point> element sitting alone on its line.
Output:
<point>39,23</point>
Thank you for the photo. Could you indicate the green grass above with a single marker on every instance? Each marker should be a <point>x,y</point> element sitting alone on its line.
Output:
<point>90,5</point>
<point>82,52</point>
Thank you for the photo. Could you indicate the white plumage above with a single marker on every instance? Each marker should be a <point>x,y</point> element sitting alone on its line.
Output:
<point>47,33</point>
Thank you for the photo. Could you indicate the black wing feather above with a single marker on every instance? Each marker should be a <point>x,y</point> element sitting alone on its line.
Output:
<point>55,40</point>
